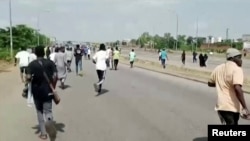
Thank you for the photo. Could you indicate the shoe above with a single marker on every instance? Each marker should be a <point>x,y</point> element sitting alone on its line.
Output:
<point>99,91</point>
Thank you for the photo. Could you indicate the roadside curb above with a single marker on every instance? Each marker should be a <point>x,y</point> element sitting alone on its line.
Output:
<point>175,75</point>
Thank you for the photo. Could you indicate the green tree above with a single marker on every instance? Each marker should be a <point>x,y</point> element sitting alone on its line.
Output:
<point>23,36</point>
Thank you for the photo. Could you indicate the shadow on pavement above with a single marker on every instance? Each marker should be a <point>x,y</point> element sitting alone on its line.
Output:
<point>201,139</point>
<point>65,87</point>
<point>59,127</point>
<point>104,91</point>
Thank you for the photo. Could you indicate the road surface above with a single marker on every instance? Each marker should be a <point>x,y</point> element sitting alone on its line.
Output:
<point>175,59</point>
<point>138,106</point>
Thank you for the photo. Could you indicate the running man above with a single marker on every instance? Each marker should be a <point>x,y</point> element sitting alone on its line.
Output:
<point>41,92</point>
<point>116,57</point>
<point>78,58</point>
<point>132,56</point>
<point>61,65</point>
<point>164,57</point>
<point>99,59</point>
<point>23,58</point>
<point>69,56</point>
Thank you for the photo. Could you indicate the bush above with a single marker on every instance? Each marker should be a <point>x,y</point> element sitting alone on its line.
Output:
<point>5,54</point>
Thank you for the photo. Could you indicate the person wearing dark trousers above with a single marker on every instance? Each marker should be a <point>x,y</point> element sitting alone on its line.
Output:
<point>116,57</point>
<point>183,57</point>
<point>78,53</point>
<point>42,92</point>
<point>228,79</point>
<point>99,59</point>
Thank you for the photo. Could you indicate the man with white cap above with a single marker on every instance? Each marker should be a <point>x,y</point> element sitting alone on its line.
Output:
<point>228,79</point>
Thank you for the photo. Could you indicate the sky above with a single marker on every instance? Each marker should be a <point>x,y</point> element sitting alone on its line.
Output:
<point>111,20</point>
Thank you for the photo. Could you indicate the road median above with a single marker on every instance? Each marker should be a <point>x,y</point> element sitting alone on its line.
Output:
<point>201,76</point>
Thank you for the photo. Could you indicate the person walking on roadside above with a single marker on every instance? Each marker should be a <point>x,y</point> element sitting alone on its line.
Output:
<point>111,58</point>
<point>89,53</point>
<point>205,60</point>
<point>78,53</point>
<point>159,53</point>
<point>194,57</point>
<point>47,52</point>
<point>61,65</point>
<point>164,57</point>
<point>116,57</point>
<point>69,56</point>
<point>41,91</point>
<point>132,56</point>
<point>228,79</point>
<point>183,57</point>
<point>22,57</point>
<point>99,59</point>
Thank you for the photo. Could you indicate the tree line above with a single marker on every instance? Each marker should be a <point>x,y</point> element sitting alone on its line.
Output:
<point>23,36</point>
<point>146,40</point>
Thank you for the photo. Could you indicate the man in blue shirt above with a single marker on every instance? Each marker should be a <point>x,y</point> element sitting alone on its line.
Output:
<point>163,58</point>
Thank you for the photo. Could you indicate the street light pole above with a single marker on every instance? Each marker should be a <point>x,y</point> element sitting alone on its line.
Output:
<point>197,31</point>
<point>177,30</point>
<point>11,37</point>
<point>38,26</point>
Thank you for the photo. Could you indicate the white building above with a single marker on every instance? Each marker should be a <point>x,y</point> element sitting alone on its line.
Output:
<point>219,39</point>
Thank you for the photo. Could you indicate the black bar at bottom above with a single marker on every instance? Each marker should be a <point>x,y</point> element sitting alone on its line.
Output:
<point>234,132</point>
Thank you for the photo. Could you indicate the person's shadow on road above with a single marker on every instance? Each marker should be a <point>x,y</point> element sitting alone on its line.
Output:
<point>65,87</point>
<point>200,139</point>
<point>103,91</point>
<point>59,127</point>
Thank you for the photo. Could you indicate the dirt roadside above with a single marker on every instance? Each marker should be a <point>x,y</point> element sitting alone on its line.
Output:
<point>10,82</point>
<point>201,76</point>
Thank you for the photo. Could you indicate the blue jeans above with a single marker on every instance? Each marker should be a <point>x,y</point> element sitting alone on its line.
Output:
<point>78,65</point>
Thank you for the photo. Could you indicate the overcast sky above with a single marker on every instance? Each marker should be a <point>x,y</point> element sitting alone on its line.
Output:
<point>109,20</point>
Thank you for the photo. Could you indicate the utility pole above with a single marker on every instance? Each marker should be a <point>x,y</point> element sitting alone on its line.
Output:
<point>177,30</point>
<point>227,33</point>
<point>11,37</point>
<point>38,26</point>
<point>197,30</point>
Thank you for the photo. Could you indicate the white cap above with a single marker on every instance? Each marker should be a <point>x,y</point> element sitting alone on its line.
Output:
<point>232,52</point>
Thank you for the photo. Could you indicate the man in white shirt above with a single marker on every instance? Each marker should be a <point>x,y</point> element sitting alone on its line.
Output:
<point>100,61</point>
<point>32,55</point>
<point>89,53</point>
<point>69,56</point>
<point>23,58</point>
<point>52,55</point>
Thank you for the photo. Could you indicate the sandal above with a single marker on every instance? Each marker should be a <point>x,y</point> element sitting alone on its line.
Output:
<point>43,137</point>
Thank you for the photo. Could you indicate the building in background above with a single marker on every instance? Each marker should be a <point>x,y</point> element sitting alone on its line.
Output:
<point>246,42</point>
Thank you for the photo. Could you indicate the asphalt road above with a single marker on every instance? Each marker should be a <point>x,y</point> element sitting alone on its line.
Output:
<point>138,106</point>
<point>175,59</point>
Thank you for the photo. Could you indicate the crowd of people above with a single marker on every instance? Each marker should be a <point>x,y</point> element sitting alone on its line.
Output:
<point>42,67</point>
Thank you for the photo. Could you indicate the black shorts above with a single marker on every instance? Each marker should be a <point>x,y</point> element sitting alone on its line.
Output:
<point>131,62</point>
<point>23,69</point>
